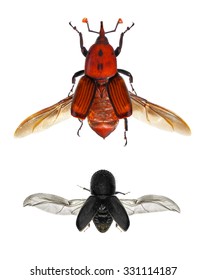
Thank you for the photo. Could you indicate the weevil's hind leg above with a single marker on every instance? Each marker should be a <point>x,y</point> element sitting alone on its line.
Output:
<point>125,130</point>
<point>118,227</point>
<point>81,121</point>
<point>86,228</point>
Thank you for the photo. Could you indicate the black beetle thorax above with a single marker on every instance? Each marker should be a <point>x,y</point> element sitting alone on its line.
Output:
<point>102,183</point>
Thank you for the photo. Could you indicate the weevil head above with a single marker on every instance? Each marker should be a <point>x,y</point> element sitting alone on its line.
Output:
<point>102,39</point>
<point>103,183</point>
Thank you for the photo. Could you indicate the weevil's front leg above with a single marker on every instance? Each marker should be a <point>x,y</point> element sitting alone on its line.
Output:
<point>83,49</point>
<point>119,48</point>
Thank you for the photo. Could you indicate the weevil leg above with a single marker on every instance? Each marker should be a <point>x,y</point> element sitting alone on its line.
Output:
<point>133,90</point>
<point>86,228</point>
<point>77,74</point>
<point>83,49</point>
<point>119,48</point>
<point>119,228</point>
<point>125,130</point>
<point>71,90</point>
<point>81,121</point>
<point>128,74</point>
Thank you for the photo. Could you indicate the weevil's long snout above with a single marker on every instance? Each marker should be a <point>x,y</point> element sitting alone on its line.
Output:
<point>101,32</point>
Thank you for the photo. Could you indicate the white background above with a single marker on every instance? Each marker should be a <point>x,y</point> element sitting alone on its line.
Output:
<point>39,53</point>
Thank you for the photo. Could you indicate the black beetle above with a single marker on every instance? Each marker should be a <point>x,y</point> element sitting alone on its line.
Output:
<point>102,206</point>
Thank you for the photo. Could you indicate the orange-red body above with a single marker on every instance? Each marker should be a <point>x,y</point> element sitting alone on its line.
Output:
<point>101,94</point>
<point>101,62</point>
<point>102,97</point>
<point>101,117</point>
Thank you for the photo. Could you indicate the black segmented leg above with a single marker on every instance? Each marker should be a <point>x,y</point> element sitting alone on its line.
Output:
<point>119,48</point>
<point>125,130</point>
<point>83,49</point>
<point>128,74</point>
<point>81,121</point>
<point>77,74</point>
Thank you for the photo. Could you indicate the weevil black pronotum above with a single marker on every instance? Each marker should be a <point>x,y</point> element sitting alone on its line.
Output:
<point>102,206</point>
<point>102,96</point>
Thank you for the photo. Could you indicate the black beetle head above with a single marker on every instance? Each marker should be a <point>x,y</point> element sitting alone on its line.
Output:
<point>103,183</point>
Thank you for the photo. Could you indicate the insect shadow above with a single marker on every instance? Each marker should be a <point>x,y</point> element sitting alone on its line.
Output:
<point>102,96</point>
<point>102,206</point>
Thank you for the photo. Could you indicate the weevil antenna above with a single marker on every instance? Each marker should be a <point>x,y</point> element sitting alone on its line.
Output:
<point>85,20</point>
<point>118,22</point>
<point>83,188</point>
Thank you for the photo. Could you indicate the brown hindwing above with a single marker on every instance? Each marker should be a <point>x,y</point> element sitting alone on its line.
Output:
<point>158,116</point>
<point>45,118</point>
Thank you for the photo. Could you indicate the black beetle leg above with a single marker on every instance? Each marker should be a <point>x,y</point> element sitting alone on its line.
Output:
<point>125,130</point>
<point>77,74</point>
<point>81,121</point>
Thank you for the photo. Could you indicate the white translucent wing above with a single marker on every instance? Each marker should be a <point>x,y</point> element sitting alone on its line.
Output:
<point>158,116</point>
<point>54,204</point>
<point>148,204</point>
<point>45,118</point>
